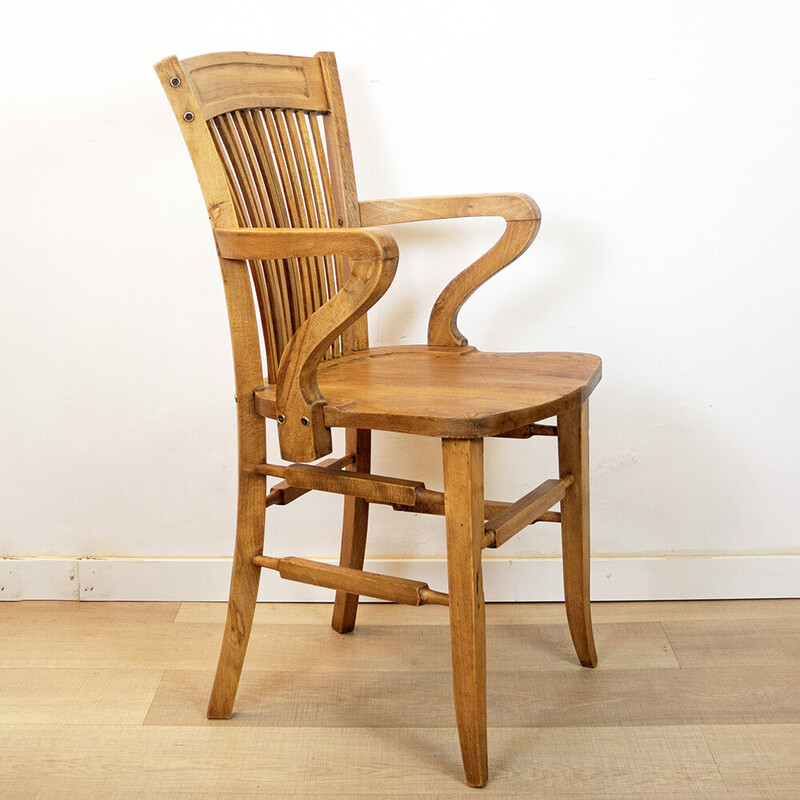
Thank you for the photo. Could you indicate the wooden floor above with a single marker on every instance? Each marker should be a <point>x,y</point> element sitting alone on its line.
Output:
<point>690,700</point>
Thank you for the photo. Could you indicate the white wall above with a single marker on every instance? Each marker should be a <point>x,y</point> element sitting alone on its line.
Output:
<point>660,140</point>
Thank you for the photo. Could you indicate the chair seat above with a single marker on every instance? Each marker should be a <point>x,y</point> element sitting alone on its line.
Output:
<point>449,392</point>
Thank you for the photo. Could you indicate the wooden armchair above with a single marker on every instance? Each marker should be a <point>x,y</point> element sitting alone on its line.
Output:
<point>302,261</point>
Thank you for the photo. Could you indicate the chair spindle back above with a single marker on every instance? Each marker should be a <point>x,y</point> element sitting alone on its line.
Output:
<point>281,145</point>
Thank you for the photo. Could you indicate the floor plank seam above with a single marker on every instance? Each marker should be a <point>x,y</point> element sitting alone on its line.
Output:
<point>714,758</point>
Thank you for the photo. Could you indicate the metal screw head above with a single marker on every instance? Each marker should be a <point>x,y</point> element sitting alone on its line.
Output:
<point>304,421</point>
<point>281,419</point>
<point>188,116</point>
<point>176,81</point>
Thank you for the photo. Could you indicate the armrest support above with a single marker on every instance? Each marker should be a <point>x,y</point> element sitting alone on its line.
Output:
<point>373,261</point>
<point>522,224</point>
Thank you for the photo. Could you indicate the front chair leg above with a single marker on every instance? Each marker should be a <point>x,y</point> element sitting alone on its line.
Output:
<point>244,591</point>
<point>573,459</point>
<point>463,503</point>
<point>354,531</point>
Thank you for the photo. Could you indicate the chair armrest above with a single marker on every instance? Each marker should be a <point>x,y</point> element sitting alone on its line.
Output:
<point>417,209</point>
<point>266,243</point>
<point>373,261</point>
<point>522,224</point>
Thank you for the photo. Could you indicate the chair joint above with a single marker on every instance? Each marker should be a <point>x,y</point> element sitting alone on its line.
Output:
<point>527,431</point>
<point>533,507</point>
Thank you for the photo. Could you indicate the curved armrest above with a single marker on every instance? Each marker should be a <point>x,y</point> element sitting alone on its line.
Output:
<point>522,224</point>
<point>373,260</point>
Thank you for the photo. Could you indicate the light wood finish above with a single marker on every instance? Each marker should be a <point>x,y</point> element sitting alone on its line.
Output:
<point>463,478</point>
<point>234,762</point>
<point>376,488</point>
<point>302,262</point>
<point>522,223</point>
<point>225,82</point>
<point>354,531</point>
<point>603,613</point>
<point>524,512</point>
<point>573,462</point>
<point>555,699</point>
<point>429,501</point>
<point>534,429</point>
<point>736,642</point>
<point>303,433</point>
<point>511,207</point>
<point>353,581</point>
<point>362,244</point>
<point>385,648</point>
<point>458,392</point>
<point>112,694</point>
<point>98,696</point>
<point>753,756</point>
<point>282,493</point>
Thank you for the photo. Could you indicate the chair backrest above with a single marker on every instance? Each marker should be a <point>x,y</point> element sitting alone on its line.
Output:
<point>269,141</point>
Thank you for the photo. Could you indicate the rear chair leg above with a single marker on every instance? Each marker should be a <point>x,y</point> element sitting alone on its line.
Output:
<point>463,503</point>
<point>244,590</point>
<point>354,531</point>
<point>573,459</point>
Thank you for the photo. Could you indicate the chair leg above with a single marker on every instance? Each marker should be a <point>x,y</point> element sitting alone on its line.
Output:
<point>244,590</point>
<point>573,458</point>
<point>354,531</point>
<point>463,502</point>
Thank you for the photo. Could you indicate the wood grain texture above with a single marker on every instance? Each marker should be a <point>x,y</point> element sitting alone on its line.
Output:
<point>638,726</point>
<point>573,462</point>
<point>305,436</point>
<point>266,243</point>
<point>546,698</point>
<point>525,511</point>
<point>458,392</point>
<point>282,493</point>
<point>496,613</point>
<point>252,490</point>
<point>522,223</point>
<point>93,695</point>
<point>46,614</point>
<point>755,756</point>
<point>352,581</point>
<point>739,642</point>
<point>202,150</point>
<point>376,488</point>
<point>417,209</point>
<point>463,504</point>
<point>300,270</point>
<point>443,322</point>
<point>382,647</point>
<point>354,531</point>
<point>342,174</point>
<point>229,81</point>
<point>621,762</point>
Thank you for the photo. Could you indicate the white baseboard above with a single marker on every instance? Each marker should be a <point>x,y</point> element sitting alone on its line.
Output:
<point>668,577</point>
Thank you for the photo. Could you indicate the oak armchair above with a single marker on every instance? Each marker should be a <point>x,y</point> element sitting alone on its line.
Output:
<point>302,261</point>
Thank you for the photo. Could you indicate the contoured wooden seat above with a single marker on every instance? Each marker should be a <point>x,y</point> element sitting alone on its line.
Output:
<point>302,261</point>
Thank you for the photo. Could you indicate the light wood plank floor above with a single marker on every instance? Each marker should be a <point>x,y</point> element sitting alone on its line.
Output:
<point>690,700</point>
